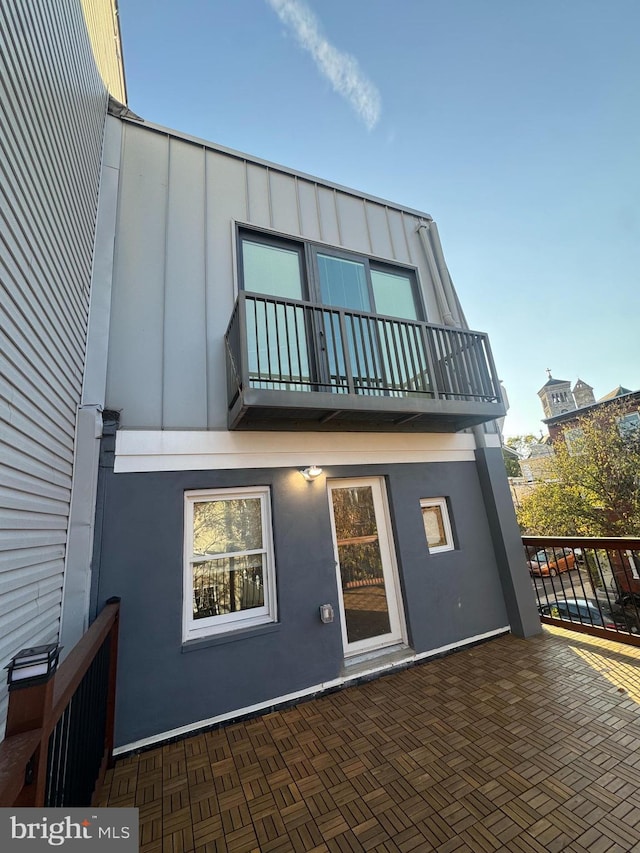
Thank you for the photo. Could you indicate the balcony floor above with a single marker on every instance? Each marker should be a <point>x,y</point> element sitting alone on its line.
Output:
<point>257,409</point>
<point>518,745</point>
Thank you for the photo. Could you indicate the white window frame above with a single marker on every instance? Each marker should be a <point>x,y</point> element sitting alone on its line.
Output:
<point>212,625</point>
<point>446,524</point>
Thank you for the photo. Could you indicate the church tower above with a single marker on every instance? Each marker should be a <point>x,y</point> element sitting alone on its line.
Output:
<point>583,394</point>
<point>556,396</point>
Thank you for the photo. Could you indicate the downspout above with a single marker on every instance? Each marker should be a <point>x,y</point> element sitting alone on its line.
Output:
<point>445,309</point>
<point>450,294</point>
<point>80,535</point>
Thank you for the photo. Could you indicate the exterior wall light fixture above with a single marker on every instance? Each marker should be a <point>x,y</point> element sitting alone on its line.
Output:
<point>32,666</point>
<point>311,473</point>
<point>326,613</point>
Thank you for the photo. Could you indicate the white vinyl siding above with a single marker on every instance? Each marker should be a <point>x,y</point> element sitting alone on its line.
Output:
<point>50,148</point>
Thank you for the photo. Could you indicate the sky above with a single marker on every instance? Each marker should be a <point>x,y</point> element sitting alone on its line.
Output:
<point>516,125</point>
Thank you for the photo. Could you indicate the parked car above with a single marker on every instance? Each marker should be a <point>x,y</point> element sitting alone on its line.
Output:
<point>549,562</point>
<point>626,611</point>
<point>582,610</point>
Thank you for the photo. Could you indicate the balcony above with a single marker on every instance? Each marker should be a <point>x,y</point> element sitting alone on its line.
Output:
<point>294,365</point>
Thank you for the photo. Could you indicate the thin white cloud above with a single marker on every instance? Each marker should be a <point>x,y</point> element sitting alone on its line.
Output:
<point>341,69</point>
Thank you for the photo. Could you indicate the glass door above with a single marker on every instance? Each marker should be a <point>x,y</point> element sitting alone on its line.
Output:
<point>344,284</point>
<point>363,343</point>
<point>367,577</point>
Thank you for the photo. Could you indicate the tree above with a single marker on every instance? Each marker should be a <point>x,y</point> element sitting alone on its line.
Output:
<point>555,509</point>
<point>519,443</point>
<point>593,486</point>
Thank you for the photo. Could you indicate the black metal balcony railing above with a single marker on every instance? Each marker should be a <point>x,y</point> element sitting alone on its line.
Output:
<point>587,584</point>
<point>402,367</point>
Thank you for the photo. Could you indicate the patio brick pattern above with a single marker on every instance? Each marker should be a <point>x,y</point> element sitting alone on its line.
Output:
<point>518,745</point>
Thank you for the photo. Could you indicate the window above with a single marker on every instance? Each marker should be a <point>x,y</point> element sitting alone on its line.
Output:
<point>574,439</point>
<point>628,424</point>
<point>272,268</point>
<point>229,570</point>
<point>394,294</point>
<point>437,527</point>
<point>343,282</point>
<point>284,268</point>
<point>292,345</point>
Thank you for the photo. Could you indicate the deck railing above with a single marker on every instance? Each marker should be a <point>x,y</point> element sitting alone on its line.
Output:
<point>59,735</point>
<point>587,584</point>
<point>290,345</point>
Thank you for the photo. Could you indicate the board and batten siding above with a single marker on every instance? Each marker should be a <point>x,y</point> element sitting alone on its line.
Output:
<point>174,280</point>
<point>53,112</point>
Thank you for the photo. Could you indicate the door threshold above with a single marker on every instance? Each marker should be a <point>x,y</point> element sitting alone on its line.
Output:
<point>369,663</point>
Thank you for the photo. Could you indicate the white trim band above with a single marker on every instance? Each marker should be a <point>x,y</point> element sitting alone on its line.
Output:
<point>164,450</point>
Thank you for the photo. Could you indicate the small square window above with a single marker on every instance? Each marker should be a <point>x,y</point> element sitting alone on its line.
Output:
<point>437,527</point>
<point>229,579</point>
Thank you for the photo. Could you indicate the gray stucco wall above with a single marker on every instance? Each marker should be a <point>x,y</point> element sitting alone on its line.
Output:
<point>516,585</point>
<point>448,597</point>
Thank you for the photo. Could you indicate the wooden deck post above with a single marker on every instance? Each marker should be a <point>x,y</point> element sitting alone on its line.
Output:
<point>29,709</point>
<point>36,770</point>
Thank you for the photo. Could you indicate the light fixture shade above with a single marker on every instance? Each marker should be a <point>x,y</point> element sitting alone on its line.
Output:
<point>326,613</point>
<point>33,665</point>
<point>311,473</point>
